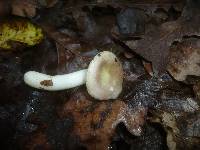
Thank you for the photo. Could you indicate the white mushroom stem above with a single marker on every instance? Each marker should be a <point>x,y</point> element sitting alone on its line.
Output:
<point>57,82</point>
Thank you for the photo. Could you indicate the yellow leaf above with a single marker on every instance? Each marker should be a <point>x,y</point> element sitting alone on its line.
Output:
<point>21,31</point>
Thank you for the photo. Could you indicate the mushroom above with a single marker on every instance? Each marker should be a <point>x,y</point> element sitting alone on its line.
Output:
<point>103,78</point>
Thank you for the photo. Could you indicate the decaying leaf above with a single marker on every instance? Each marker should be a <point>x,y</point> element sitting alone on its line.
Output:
<point>19,31</point>
<point>38,139</point>
<point>182,130</point>
<point>47,3</point>
<point>27,8</point>
<point>24,8</point>
<point>4,8</point>
<point>177,110</point>
<point>95,122</point>
<point>155,44</point>
<point>169,122</point>
<point>170,141</point>
<point>185,59</point>
<point>196,88</point>
<point>130,21</point>
<point>72,119</point>
<point>94,28</point>
<point>148,68</point>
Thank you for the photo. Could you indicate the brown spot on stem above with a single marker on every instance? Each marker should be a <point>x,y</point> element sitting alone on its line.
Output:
<point>46,83</point>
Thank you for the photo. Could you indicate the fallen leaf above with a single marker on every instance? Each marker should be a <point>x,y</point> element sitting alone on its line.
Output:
<point>36,140</point>
<point>4,8</point>
<point>61,53</point>
<point>63,40</point>
<point>171,143</point>
<point>95,122</point>
<point>21,31</point>
<point>181,129</point>
<point>131,21</point>
<point>148,68</point>
<point>47,3</point>
<point>196,89</point>
<point>93,29</point>
<point>185,59</point>
<point>189,125</point>
<point>24,8</point>
<point>155,44</point>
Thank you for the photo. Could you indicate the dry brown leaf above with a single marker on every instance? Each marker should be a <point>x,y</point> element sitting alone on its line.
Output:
<point>185,59</point>
<point>95,122</point>
<point>27,8</point>
<point>181,129</point>
<point>156,43</point>
<point>61,39</point>
<point>4,8</point>
<point>196,89</point>
<point>24,8</point>
<point>47,3</point>
<point>38,139</point>
<point>94,29</point>
<point>148,67</point>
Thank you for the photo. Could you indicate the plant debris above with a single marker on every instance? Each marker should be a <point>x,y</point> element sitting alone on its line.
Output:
<point>91,119</point>
<point>19,31</point>
<point>157,43</point>
<point>185,59</point>
<point>24,8</point>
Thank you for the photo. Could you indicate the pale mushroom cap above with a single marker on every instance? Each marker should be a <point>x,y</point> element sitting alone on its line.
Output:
<point>105,76</point>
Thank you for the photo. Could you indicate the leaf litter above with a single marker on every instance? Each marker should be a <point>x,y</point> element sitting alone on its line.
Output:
<point>74,34</point>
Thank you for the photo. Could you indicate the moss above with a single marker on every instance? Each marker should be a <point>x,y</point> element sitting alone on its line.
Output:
<point>21,31</point>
